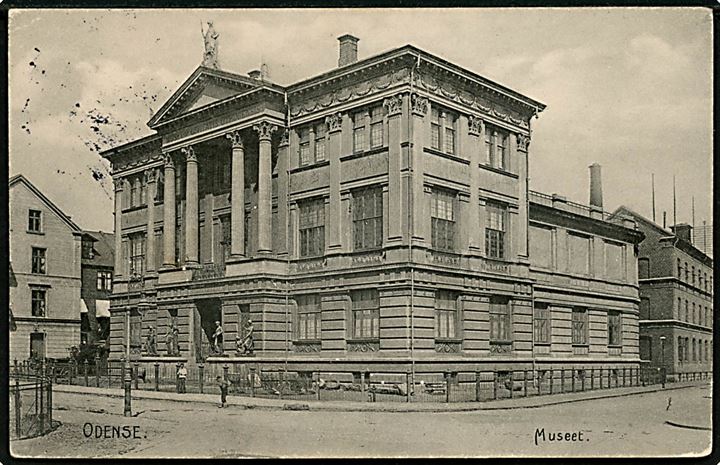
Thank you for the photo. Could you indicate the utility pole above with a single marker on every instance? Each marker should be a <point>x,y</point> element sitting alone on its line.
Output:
<point>674,203</point>
<point>126,369</point>
<point>693,219</point>
<point>653,196</point>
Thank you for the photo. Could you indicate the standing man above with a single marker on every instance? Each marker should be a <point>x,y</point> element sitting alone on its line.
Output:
<point>223,384</point>
<point>182,378</point>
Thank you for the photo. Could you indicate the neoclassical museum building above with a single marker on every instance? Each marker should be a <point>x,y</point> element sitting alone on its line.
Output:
<point>376,215</point>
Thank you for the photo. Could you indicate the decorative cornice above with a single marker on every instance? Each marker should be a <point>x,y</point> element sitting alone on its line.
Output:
<point>522,142</point>
<point>393,105</point>
<point>189,153</point>
<point>265,130</point>
<point>475,125</point>
<point>419,104</point>
<point>235,139</point>
<point>334,122</point>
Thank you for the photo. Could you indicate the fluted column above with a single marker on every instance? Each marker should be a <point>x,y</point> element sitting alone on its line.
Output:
<point>118,228</point>
<point>191,207</point>
<point>265,131</point>
<point>237,195</point>
<point>169,212</point>
<point>475,145</point>
<point>150,239</point>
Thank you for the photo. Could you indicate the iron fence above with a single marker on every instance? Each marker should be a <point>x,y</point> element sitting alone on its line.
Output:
<point>31,403</point>
<point>252,379</point>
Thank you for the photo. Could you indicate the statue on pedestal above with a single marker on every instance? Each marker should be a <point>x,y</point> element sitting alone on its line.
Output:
<point>151,342</point>
<point>246,345</point>
<point>218,338</point>
<point>172,342</point>
<point>210,59</point>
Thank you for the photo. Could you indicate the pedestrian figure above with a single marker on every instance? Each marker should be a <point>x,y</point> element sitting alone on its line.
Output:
<point>223,384</point>
<point>668,404</point>
<point>182,378</point>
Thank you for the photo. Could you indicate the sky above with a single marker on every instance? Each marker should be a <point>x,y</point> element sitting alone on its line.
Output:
<point>630,89</point>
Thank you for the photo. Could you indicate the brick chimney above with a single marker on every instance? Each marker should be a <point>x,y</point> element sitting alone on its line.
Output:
<point>596,197</point>
<point>348,49</point>
<point>683,231</point>
<point>255,74</point>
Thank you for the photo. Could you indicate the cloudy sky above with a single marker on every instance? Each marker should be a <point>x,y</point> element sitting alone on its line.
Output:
<point>630,89</point>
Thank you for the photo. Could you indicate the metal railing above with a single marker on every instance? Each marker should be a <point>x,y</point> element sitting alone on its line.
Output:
<point>252,379</point>
<point>31,403</point>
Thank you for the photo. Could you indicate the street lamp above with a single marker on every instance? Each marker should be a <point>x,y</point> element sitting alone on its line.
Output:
<point>127,411</point>
<point>662,360</point>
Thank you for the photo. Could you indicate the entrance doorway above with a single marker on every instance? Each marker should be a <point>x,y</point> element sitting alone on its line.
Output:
<point>37,345</point>
<point>208,311</point>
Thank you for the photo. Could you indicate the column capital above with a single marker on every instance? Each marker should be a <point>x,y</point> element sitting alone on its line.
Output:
<point>168,160</point>
<point>235,139</point>
<point>189,153</point>
<point>265,130</point>
<point>150,175</point>
<point>393,105</point>
<point>475,125</point>
<point>522,142</point>
<point>118,184</point>
<point>334,122</point>
<point>419,104</point>
<point>284,138</point>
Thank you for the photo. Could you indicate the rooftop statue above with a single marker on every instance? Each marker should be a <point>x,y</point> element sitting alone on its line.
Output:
<point>210,59</point>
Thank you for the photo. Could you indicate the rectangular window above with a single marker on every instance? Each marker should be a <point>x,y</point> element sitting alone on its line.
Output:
<point>34,221</point>
<point>304,147</point>
<point>134,192</point>
<point>541,249</point>
<point>137,254</point>
<point>87,249</point>
<point>579,326</point>
<point>308,318</point>
<point>495,230</point>
<point>614,328</point>
<point>312,227</point>
<point>500,325</point>
<point>366,314</point>
<point>446,315</point>
<point>496,147</point>
<point>679,269</point>
<point>143,190</point>
<point>38,261</point>
<point>320,142</point>
<point>542,323</point>
<point>104,280</point>
<point>614,261</point>
<point>359,143</point>
<point>376,126</point>
<point>579,254</point>
<point>39,302</point>
<point>450,120</point>
<point>435,128</point>
<point>442,213</point>
<point>368,218</point>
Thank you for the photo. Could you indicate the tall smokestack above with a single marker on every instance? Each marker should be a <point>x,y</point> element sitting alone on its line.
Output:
<point>653,196</point>
<point>664,220</point>
<point>348,49</point>
<point>595,186</point>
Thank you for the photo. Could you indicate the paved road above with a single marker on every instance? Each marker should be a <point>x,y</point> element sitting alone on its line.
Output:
<point>630,425</point>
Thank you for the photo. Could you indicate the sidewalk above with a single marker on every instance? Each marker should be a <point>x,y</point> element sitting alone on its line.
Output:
<point>348,406</point>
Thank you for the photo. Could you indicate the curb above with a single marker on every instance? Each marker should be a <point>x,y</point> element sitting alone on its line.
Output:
<point>680,425</point>
<point>385,408</point>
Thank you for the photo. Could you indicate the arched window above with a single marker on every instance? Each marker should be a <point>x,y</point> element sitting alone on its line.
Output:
<point>680,349</point>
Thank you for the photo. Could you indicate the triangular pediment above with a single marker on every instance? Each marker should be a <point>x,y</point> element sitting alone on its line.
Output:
<point>204,86</point>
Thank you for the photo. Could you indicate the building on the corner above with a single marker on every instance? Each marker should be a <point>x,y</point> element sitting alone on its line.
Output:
<point>376,216</point>
<point>45,248</point>
<point>676,299</point>
<point>98,262</point>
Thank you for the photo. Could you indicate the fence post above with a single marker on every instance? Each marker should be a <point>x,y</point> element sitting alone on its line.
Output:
<point>592,378</point>
<point>282,382</point>
<point>177,378</point>
<point>477,386</point>
<point>525,393</point>
<point>572,376</point>
<point>42,402</point>
<point>408,385</point>
<point>562,380</point>
<point>252,382</point>
<point>49,403</point>
<point>362,386</point>
<point>494,385</point>
<point>201,376</point>
<point>71,375</point>
<point>512,383</point>
<point>18,407</point>
<point>447,386</point>
<point>97,370</point>
<point>582,380</point>
<point>85,368</point>
<point>318,385</point>
<point>136,370</point>
<point>15,365</point>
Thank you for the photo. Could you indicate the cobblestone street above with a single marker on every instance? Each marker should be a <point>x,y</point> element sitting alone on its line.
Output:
<point>628,425</point>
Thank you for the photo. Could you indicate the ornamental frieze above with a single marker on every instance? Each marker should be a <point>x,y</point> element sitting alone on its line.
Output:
<point>136,162</point>
<point>363,346</point>
<point>349,93</point>
<point>447,347</point>
<point>464,97</point>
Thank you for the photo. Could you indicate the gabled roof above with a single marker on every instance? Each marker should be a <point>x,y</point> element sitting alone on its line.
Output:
<point>103,248</point>
<point>191,90</point>
<point>19,178</point>
<point>622,209</point>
